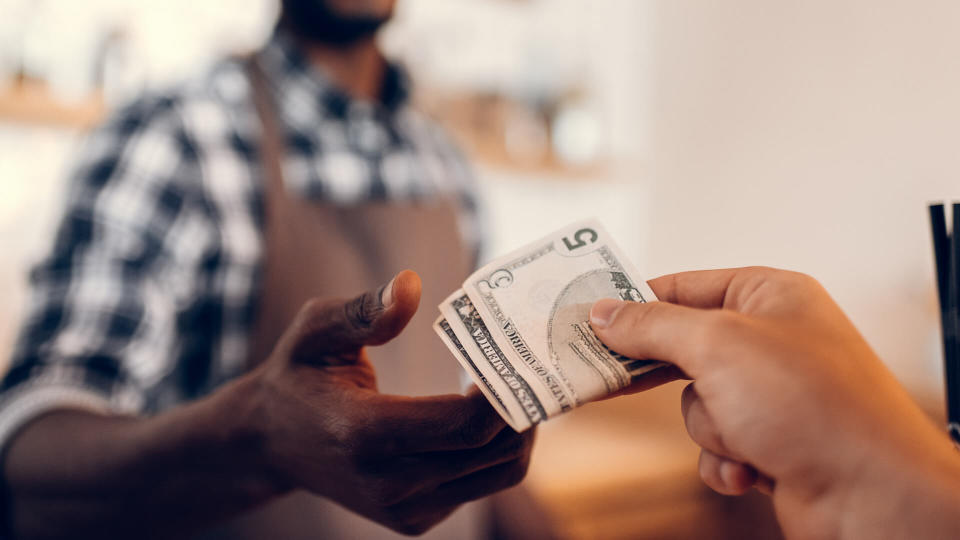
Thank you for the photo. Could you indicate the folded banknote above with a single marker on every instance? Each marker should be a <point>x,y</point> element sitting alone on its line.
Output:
<point>520,325</point>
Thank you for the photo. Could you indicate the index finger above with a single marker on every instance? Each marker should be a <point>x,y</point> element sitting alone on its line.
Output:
<point>706,289</point>
<point>409,425</point>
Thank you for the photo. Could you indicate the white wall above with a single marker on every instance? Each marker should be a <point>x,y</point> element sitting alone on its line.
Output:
<point>32,177</point>
<point>811,135</point>
<point>522,207</point>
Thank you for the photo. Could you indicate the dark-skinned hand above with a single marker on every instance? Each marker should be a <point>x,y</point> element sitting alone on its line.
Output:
<point>404,462</point>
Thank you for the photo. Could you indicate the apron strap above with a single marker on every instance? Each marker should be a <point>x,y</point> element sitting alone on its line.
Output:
<point>270,152</point>
<point>272,165</point>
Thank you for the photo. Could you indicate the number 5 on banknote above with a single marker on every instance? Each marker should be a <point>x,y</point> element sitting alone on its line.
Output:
<point>582,237</point>
<point>520,324</point>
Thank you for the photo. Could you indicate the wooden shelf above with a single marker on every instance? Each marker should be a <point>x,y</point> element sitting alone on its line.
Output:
<point>478,124</point>
<point>31,102</point>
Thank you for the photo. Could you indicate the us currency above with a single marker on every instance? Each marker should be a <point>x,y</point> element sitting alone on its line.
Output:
<point>519,326</point>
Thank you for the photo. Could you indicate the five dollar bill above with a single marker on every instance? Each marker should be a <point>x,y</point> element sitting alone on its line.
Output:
<point>519,325</point>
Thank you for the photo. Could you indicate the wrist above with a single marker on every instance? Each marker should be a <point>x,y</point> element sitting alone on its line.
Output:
<point>914,492</point>
<point>235,435</point>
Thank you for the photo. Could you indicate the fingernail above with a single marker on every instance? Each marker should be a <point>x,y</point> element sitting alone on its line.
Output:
<point>386,297</point>
<point>604,312</point>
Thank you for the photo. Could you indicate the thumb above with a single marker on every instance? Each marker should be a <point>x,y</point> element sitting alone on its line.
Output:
<point>324,327</point>
<point>655,330</point>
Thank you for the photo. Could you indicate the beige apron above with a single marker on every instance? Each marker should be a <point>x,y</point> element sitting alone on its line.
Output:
<point>325,250</point>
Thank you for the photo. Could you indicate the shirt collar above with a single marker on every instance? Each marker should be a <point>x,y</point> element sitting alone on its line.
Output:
<point>306,88</point>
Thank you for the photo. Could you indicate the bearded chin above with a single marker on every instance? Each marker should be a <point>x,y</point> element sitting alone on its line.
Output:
<point>314,21</point>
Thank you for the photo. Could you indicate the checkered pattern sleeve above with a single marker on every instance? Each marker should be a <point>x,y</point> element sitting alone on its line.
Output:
<point>101,318</point>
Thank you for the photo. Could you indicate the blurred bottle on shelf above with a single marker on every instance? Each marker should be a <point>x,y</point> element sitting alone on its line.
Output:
<point>116,70</point>
<point>577,133</point>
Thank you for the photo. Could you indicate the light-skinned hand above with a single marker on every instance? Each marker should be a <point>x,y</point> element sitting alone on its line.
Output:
<point>788,396</point>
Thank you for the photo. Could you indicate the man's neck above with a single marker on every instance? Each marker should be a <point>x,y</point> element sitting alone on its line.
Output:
<point>357,69</point>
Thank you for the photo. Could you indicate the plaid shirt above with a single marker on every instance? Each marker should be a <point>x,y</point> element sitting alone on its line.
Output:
<point>149,292</point>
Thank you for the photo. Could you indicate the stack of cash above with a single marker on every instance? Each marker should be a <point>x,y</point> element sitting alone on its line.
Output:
<point>520,325</point>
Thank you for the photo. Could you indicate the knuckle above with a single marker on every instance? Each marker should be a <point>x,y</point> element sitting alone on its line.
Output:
<point>394,519</point>
<point>787,281</point>
<point>802,279</point>
<point>404,521</point>
<point>634,316</point>
<point>413,528</point>
<point>756,278</point>
<point>708,477</point>
<point>766,273</point>
<point>808,286</point>
<point>708,471</point>
<point>363,310</point>
<point>478,426</point>
<point>635,319</point>
<point>702,430</point>
<point>309,308</point>
<point>312,310</point>
<point>314,317</point>
<point>782,278</point>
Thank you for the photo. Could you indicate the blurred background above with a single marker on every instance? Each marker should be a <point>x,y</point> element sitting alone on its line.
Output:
<point>806,135</point>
